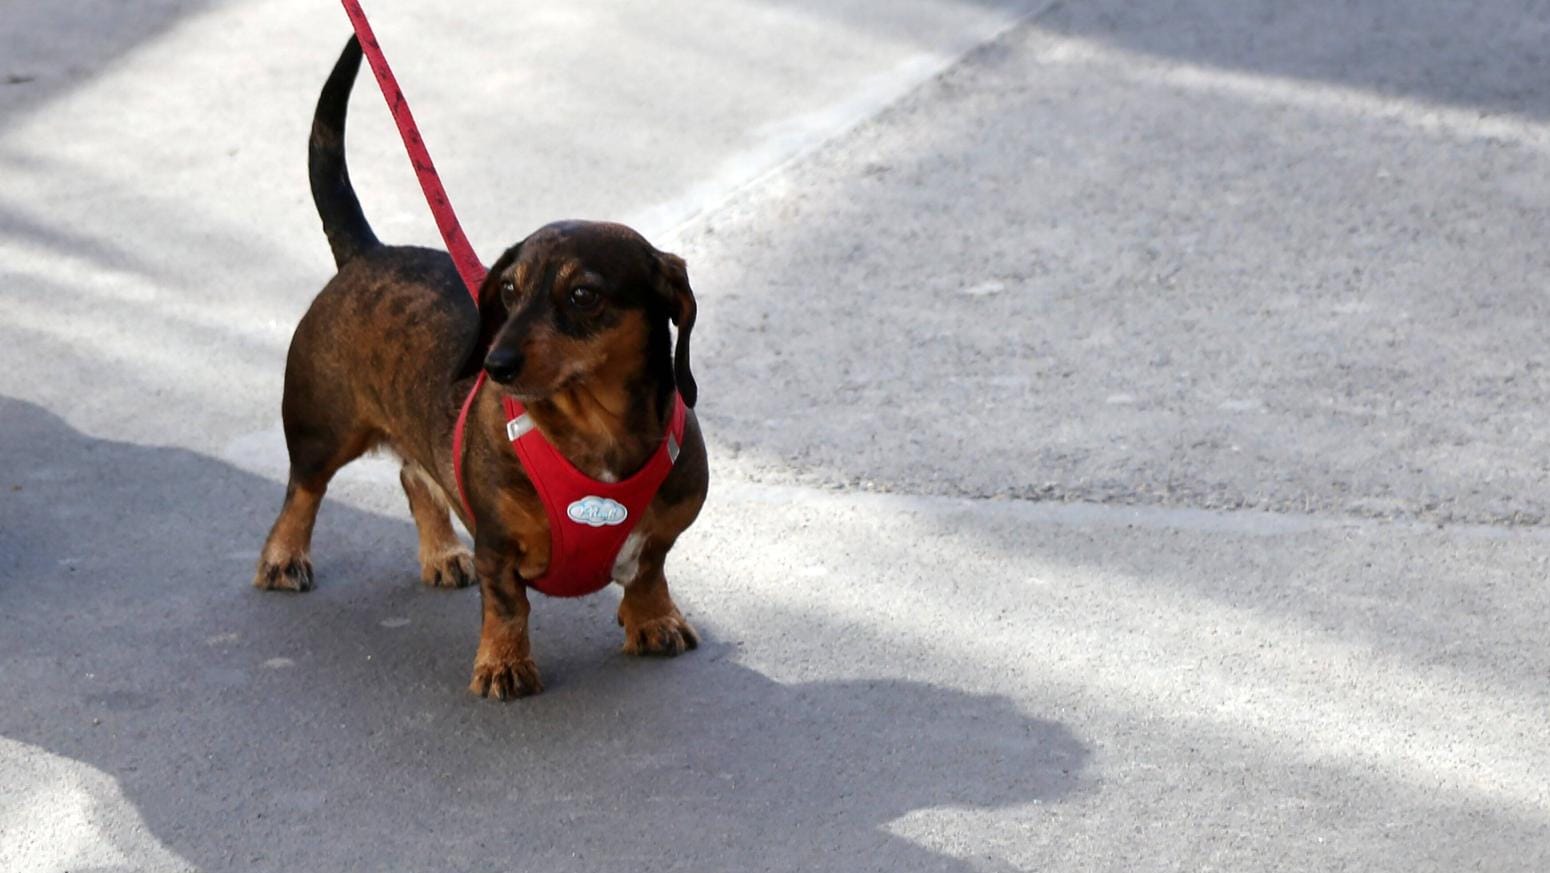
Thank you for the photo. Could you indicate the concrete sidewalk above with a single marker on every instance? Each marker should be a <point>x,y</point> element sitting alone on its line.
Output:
<point>1126,428</point>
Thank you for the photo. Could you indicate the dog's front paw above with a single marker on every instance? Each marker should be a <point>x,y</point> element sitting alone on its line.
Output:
<point>284,573</point>
<point>667,635</point>
<point>504,680</point>
<point>450,569</point>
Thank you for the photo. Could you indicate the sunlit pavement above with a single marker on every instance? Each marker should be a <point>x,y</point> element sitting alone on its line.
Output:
<point>1127,427</point>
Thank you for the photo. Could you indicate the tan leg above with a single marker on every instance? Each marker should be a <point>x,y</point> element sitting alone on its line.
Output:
<point>284,564</point>
<point>444,561</point>
<point>652,623</point>
<point>503,666</point>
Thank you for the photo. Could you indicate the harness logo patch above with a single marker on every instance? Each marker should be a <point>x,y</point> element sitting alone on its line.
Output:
<point>595,511</point>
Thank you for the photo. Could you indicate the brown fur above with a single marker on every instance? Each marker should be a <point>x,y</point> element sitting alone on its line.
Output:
<point>573,321</point>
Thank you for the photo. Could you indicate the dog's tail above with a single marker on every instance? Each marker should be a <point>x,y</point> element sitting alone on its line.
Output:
<point>348,232</point>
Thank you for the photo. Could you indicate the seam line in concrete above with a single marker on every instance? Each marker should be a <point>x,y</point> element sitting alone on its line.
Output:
<point>802,135</point>
<point>1105,515</point>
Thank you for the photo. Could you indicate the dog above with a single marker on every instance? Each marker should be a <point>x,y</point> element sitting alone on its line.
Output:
<point>572,326</point>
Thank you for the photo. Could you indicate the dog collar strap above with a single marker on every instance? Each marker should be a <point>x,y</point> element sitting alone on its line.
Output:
<point>589,519</point>
<point>457,448</point>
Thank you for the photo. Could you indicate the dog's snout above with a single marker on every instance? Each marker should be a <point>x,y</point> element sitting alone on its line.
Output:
<point>503,364</point>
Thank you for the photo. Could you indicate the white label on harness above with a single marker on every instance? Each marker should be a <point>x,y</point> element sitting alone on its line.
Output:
<point>597,512</point>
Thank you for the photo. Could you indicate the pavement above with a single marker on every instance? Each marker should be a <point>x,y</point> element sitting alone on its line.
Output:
<point>1126,422</point>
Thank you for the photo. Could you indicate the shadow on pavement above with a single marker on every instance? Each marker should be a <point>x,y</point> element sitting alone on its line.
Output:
<point>1488,56</point>
<point>1054,281</point>
<point>332,731</point>
<point>48,47</point>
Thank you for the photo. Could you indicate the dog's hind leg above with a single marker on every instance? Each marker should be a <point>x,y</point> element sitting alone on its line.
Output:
<point>284,564</point>
<point>319,445</point>
<point>444,561</point>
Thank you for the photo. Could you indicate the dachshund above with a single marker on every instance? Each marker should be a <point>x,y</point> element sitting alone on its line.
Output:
<point>571,328</point>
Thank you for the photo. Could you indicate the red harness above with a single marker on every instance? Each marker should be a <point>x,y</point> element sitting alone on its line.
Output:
<point>589,520</point>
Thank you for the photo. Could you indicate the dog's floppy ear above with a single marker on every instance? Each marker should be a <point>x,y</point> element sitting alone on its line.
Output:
<point>492,304</point>
<point>492,311</point>
<point>673,285</point>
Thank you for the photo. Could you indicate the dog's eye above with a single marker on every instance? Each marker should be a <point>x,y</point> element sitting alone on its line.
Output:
<point>508,287</point>
<point>585,298</point>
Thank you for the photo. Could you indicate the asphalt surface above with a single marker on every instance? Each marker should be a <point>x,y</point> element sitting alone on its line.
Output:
<point>1126,422</point>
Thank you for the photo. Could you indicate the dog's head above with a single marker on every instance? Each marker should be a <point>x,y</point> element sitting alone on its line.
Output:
<point>579,301</point>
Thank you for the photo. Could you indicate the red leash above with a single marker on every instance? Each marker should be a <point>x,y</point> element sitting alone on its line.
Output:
<point>463,257</point>
<point>468,264</point>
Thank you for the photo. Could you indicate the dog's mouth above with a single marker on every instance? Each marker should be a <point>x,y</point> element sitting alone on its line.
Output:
<point>525,392</point>
<point>521,391</point>
<point>526,396</point>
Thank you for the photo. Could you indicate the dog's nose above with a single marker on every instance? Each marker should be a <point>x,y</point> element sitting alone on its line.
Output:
<point>503,364</point>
